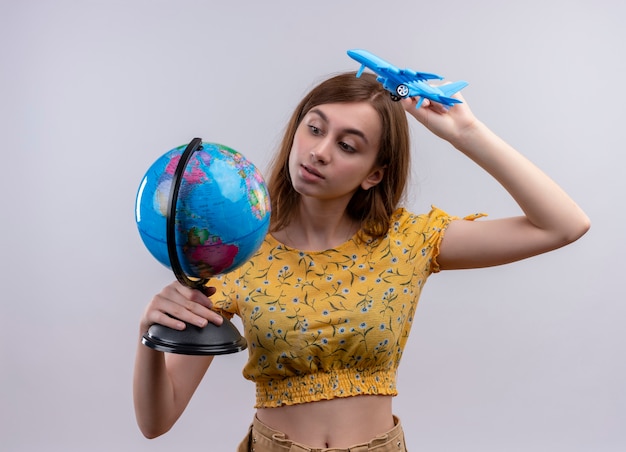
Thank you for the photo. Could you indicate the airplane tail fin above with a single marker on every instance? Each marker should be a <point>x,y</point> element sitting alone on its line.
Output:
<point>446,92</point>
<point>449,89</point>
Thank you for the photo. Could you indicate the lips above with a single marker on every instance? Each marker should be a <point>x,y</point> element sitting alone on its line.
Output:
<point>312,171</point>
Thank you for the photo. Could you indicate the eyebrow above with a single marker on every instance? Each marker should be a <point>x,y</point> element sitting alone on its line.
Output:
<point>351,131</point>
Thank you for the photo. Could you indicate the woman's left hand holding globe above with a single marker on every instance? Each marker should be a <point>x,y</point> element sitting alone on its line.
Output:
<point>176,304</point>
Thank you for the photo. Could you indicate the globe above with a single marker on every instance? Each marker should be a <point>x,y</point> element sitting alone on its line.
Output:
<point>222,212</point>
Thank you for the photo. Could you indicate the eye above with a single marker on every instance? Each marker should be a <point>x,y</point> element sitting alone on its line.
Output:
<point>314,130</point>
<point>346,147</point>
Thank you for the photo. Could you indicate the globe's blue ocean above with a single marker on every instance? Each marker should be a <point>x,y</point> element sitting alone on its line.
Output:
<point>222,213</point>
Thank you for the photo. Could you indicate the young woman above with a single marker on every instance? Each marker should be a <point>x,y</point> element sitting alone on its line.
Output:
<point>328,301</point>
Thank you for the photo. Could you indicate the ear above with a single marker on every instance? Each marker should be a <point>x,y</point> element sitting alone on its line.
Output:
<point>373,178</point>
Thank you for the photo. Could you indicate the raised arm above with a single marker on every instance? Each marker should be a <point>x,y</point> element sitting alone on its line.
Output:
<point>551,218</point>
<point>163,383</point>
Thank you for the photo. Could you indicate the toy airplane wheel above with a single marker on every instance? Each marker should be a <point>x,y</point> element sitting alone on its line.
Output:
<point>394,97</point>
<point>402,90</point>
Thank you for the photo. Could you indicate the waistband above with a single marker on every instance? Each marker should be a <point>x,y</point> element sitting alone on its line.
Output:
<point>265,439</point>
<point>316,386</point>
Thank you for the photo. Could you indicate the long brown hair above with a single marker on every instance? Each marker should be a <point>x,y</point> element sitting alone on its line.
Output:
<point>373,207</point>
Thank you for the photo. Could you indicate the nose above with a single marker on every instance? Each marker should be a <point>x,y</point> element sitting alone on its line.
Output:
<point>321,152</point>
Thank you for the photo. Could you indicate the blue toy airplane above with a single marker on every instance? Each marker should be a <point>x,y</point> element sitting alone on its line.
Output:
<point>403,83</point>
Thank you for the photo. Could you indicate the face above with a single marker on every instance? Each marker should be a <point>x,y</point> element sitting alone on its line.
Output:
<point>334,151</point>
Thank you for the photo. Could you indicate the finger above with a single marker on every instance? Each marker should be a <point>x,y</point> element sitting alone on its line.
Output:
<point>197,295</point>
<point>185,304</point>
<point>421,113</point>
<point>408,103</point>
<point>176,316</point>
<point>196,309</point>
<point>155,317</point>
<point>203,306</point>
<point>438,108</point>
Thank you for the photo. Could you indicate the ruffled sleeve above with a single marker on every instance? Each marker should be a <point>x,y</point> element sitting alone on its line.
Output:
<point>436,226</point>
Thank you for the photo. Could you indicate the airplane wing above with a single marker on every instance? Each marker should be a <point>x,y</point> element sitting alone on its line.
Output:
<point>412,75</point>
<point>371,61</point>
<point>382,67</point>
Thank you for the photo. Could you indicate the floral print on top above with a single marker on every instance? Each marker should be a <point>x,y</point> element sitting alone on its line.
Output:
<point>332,323</point>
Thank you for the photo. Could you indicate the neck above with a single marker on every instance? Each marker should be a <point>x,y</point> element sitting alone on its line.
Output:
<point>318,227</point>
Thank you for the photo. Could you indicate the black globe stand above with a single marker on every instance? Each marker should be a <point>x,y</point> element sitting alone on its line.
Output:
<point>212,339</point>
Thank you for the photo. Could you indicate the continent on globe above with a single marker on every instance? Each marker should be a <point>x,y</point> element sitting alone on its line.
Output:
<point>207,255</point>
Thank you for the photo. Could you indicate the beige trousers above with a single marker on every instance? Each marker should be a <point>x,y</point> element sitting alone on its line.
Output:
<point>261,438</point>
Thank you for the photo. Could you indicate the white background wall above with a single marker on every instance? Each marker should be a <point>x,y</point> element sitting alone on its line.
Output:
<point>526,357</point>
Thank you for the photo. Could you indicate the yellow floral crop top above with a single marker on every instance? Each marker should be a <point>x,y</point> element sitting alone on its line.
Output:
<point>333,323</point>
